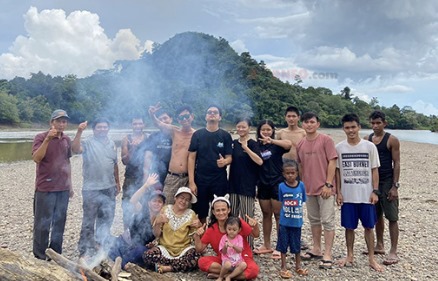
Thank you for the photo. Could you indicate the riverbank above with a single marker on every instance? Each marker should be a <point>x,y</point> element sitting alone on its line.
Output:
<point>418,231</point>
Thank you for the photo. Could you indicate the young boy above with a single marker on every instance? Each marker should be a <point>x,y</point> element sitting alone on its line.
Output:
<point>292,195</point>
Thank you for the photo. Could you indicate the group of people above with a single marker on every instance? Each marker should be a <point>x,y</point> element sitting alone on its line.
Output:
<point>185,189</point>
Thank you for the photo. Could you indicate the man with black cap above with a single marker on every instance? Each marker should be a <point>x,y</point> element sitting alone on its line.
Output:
<point>51,151</point>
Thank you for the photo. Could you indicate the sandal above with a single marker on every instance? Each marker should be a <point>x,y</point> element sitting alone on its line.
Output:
<point>286,274</point>
<point>310,256</point>
<point>326,264</point>
<point>302,271</point>
<point>262,250</point>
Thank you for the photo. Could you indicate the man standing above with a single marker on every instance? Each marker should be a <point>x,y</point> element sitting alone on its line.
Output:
<point>357,183</point>
<point>177,175</point>
<point>317,156</point>
<point>51,152</point>
<point>389,174</point>
<point>209,154</point>
<point>158,150</point>
<point>133,158</point>
<point>293,133</point>
<point>100,186</point>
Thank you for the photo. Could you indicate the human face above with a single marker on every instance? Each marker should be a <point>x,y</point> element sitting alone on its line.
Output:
<point>232,230</point>
<point>185,118</point>
<point>266,130</point>
<point>351,129</point>
<point>182,201</point>
<point>213,114</point>
<point>242,129</point>
<point>60,124</point>
<point>292,118</point>
<point>221,210</point>
<point>290,174</point>
<point>101,130</point>
<point>155,204</point>
<point>378,125</point>
<point>311,125</point>
<point>165,118</point>
<point>137,125</point>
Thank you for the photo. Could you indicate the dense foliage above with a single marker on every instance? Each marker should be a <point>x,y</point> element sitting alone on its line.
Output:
<point>190,68</point>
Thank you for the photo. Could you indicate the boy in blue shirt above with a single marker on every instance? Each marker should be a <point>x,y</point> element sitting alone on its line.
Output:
<point>292,195</point>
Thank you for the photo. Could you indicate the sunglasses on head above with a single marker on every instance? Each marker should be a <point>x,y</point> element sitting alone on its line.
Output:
<point>183,116</point>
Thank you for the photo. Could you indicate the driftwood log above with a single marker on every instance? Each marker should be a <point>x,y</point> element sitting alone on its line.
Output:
<point>13,266</point>
<point>72,266</point>
<point>140,274</point>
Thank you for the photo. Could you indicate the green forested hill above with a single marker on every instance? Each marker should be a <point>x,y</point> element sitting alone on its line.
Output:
<point>190,68</point>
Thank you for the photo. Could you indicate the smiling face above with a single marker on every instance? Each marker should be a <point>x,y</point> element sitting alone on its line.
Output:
<point>185,118</point>
<point>165,118</point>
<point>266,130</point>
<point>155,204</point>
<point>311,125</point>
<point>351,129</point>
<point>137,125</point>
<point>242,129</point>
<point>182,201</point>
<point>221,210</point>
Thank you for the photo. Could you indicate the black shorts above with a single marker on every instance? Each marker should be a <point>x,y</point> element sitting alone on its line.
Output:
<point>384,206</point>
<point>267,192</point>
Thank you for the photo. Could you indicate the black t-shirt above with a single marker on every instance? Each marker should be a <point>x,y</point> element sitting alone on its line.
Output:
<point>208,146</point>
<point>134,168</point>
<point>244,172</point>
<point>160,145</point>
<point>272,169</point>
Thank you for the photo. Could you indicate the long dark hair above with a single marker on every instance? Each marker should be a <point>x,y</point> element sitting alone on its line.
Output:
<point>259,127</point>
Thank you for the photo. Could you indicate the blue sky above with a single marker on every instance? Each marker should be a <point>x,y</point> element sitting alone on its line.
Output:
<point>384,49</point>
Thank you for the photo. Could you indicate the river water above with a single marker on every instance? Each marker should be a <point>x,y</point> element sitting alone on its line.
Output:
<point>17,145</point>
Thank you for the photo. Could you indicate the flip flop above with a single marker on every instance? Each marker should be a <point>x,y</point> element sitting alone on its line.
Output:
<point>286,274</point>
<point>302,271</point>
<point>262,250</point>
<point>310,256</point>
<point>212,276</point>
<point>389,261</point>
<point>376,252</point>
<point>276,255</point>
<point>326,264</point>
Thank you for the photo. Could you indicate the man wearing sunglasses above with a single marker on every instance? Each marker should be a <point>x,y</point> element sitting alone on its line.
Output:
<point>209,155</point>
<point>177,174</point>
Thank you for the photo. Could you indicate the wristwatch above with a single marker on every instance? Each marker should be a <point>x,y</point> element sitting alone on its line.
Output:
<point>396,185</point>
<point>329,185</point>
<point>376,191</point>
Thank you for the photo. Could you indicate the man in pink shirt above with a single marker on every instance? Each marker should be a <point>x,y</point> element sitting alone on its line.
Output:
<point>317,156</point>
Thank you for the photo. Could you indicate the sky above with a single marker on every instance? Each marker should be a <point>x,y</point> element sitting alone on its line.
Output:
<point>378,48</point>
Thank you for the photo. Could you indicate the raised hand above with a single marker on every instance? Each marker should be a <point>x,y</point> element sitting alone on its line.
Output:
<point>154,108</point>
<point>82,126</point>
<point>52,133</point>
<point>251,221</point>
<point>151,180</point>
<point>200,231</point>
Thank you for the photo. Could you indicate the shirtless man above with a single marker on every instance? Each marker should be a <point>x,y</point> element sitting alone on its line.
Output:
<point>177,174</point>
<point>293,133</point>
<point>389,174</point>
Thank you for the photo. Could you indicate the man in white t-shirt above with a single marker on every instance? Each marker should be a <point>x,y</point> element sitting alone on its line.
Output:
<point>357,183</point>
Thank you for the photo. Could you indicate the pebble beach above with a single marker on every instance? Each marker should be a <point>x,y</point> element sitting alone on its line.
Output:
<point>418,241</point>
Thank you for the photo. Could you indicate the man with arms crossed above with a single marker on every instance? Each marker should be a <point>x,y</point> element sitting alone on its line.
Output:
<point>317,156</point>
<point>389,173</point>
<point>357,183</point>
<point>209,154</point>
<point>177,174</point>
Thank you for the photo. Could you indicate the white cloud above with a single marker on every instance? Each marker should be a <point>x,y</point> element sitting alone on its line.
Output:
<point>425,108</point>
<point>393,89</point>
<point>58,44</point>
<point>239,46</point>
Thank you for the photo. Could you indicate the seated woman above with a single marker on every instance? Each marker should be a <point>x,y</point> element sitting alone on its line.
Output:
<point>147,203</point>
<point>213,234</point>
<point>175,226</point>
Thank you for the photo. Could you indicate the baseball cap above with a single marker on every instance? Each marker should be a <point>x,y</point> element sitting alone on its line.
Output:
<point>185,189</point>
<point>58,114</point>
